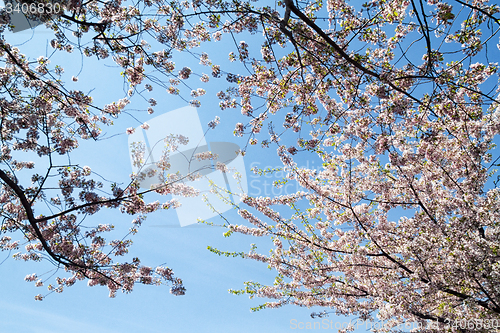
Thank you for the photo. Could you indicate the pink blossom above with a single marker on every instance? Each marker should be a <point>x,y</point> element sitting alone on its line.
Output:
<point>184,73</point>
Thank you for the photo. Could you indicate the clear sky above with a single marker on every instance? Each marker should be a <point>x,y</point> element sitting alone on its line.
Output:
<point>207,305</point>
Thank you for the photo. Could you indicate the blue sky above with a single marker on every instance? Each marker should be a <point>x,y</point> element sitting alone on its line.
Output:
<point>207,305</point>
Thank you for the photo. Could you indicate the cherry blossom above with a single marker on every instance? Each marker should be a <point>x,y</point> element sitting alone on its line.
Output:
<point>397,99</point>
